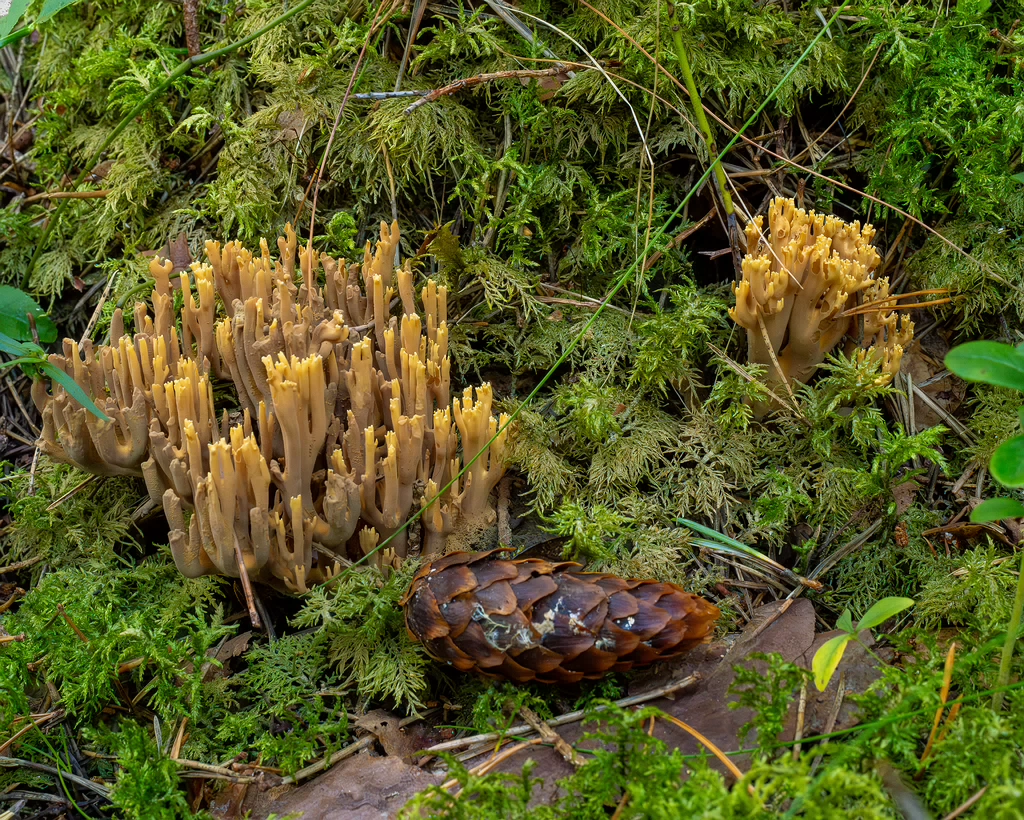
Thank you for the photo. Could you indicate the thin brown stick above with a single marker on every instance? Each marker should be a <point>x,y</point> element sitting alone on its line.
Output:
<point>12,638</point>
<point>14,596</point>
<point>315,182</point>
<point>72,624</point>
<point>801,712</point>
<point>20,565</point>
<point>179,739</point>
<point>479,79</point>
<point>208,768</point>
<point>947,677</point>
<point>250,599</point>
<point>743,373</point>
<point>711,747</point>
<point>833,714</point>
<point>21,405</point>
<point>549,735</point>
<point>64,195</point>
<point>849,102</point>
<point>863,310</point>
<point>967,804</point>
<point>678,240</point>
<point>776,365</point>
<point>562,720</point>
<point>33,723</point>
<point>892,297</point>
<point>341,754</point>
<point>72,492</point>
<point>190,12</point>
<point>501,757</point>
<point>91,785</point>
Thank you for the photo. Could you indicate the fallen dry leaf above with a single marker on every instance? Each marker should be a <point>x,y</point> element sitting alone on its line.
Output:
<point>177,251</point>
<point>395,740</point>
<point>363,787</point>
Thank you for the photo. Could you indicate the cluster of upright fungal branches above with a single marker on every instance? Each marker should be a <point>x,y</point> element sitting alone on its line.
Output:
<point>342,429</point>
<point>808,284</point>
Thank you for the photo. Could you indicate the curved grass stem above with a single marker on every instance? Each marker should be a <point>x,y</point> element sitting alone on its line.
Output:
<point>698,111</point>
<point>1011,639</point>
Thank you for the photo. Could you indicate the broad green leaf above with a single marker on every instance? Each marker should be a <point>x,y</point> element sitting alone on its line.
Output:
<point>74,390</point>
<point>827,658</point>
<point>14,305</point>
<point>50,8</point>
<point>10,20</point>
<point>988,362</point>
<point>996,509</point>
<point>845,621</point>
<point>1007,464</point>
<point>881,611</point>
<point>1017,177</point>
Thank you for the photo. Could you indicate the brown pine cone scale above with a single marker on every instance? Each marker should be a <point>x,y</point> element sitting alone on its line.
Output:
<point>534,620</point>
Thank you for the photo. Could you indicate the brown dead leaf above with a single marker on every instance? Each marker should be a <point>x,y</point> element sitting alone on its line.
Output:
<point>177,251</point>
<point>291,125</point>
<point>362,787</point>
<point>549,85</point>
<point>904,495</point>
<point>964,533</point>
<point>231,648</point>
<point>226,804</point>
<point>396,741</point>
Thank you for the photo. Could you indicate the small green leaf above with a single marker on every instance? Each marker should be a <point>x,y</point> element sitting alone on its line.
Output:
<point>882,611</point>
<point>989,362</point>
<point>10,20</point>
<point>1018,177</point>
<point>845,621</point>
<point>827,658</point>
<point>50,8</point>
<point>14,305</point>
<point>996,509</point>
<point>1007,464</point>
<point>74,390</point>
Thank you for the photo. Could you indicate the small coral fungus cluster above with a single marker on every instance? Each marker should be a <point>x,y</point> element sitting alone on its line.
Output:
<point>343,425</point>
<point>800,287</point>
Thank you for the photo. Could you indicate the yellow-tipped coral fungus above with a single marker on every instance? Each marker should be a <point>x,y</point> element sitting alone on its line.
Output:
<point>343,426</point>
<point>799,285</point>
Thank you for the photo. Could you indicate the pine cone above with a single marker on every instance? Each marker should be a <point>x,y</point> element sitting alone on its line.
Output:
<point>534,620</point>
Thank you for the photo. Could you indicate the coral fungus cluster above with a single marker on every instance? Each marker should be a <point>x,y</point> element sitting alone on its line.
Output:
<point>799,286</point>
<point>343,425</point>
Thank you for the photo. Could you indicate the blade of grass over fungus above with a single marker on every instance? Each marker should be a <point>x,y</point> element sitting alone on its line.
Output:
<point>720,542</point>
<point>620,283</point>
